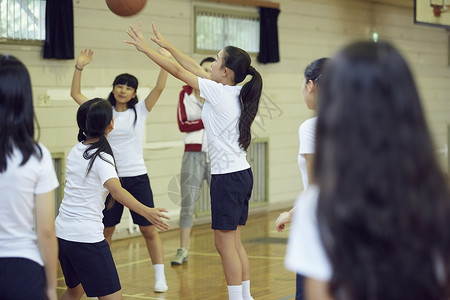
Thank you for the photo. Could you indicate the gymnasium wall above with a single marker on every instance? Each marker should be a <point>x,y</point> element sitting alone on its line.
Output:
<point>307,30</point>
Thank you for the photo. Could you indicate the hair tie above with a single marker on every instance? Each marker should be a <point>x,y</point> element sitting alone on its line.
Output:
<point>81,135</point>
<point>251,70</point>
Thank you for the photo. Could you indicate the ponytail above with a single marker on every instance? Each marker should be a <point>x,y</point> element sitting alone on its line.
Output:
<point>239,62</point>
<point>93,117</point>
<point>249,96</point>
<point>102,145</point>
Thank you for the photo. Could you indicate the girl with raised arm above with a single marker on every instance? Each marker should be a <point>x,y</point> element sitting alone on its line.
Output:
<point>227,115</point>
<point>127,144</point>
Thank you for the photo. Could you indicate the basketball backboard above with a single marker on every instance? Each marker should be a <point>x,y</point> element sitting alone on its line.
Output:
<point>432,12</point>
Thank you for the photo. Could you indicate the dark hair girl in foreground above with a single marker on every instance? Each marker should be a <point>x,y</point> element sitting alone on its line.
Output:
<point>380,198</point>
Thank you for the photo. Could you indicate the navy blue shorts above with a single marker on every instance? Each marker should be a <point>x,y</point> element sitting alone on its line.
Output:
<point>90,264</point>
<point>230,194</point>
<point>21,279</point>
<point>139,187</point>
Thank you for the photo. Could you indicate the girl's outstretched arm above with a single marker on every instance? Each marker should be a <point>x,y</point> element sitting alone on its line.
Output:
<point>84,59</point>
<point>47,244</point>
<point>155,93</point>
<point>184,60</point>
<point>174,68</point>
<point>154,215</point>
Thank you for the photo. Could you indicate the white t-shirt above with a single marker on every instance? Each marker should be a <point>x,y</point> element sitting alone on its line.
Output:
<point>18,186</point>
<point>80,214</point>
<point>305,253</point>
<point>126,140</point>
<point>220,116</point>
<point>307,138</point>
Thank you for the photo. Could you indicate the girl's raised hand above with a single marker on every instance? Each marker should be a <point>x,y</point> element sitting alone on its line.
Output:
<point>159,39</point>
<point>84,58</point>
<point>137,38</point>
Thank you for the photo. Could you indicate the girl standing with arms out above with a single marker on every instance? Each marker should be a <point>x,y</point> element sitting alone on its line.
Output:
<point>227,115</point>
<point>307,137</point>
<point>127,144</point>
<point>28,247</point>
<point>84,254</point>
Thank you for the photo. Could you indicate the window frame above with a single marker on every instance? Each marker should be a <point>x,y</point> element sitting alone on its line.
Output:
<point>240,13</point>
<point>29,42</point>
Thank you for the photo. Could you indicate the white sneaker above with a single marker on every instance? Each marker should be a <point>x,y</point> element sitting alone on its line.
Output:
<point>161,287</point>
<point>181,257</point>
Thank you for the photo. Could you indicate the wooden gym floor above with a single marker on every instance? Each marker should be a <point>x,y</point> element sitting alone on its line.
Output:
<point>202,277</point>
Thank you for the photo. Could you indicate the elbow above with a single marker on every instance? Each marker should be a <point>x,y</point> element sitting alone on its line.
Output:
<point>76,96</point>
<point>178,72</point>
<point>47,232</point>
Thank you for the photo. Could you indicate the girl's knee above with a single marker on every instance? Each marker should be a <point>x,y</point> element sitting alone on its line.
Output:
<point>223,240</point>
<point>149,232</point>
<point>76,292</point>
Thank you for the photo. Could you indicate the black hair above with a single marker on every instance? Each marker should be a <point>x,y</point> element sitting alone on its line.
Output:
<point>16,112</point>
<point>239,62</point>
<point>131,81</point>
<point>315,70</point>
<point>93,118</point>
<point>383,209</point>
<point>207,59</point>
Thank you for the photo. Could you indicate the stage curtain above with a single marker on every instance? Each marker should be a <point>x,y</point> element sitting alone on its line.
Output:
<point>268,35</point>
<point>59,36</point>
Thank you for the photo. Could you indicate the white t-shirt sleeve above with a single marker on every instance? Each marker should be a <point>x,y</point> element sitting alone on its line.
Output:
<point>47,180</point>
<point>141,109</point>
<point>210,90</point>
<point>307,136</point>
<point>105,169</point>
<point>305,254</point>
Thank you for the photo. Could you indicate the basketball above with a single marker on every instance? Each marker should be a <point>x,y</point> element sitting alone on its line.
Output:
<point>126,8</point>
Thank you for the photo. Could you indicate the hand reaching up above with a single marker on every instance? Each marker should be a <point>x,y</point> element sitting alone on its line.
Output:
<point>159,39</point>
<point>84,58</point>
<point>137,38</point>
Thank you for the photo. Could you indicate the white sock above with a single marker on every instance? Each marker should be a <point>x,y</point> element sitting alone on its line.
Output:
<point>246,290</point>
<point>159,272</point>
<point>234,292</point>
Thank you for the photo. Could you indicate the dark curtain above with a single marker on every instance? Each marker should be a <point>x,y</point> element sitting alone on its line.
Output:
<point>59,41</point>
<point>268,35</point>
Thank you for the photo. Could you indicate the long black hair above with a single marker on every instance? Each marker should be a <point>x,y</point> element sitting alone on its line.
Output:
<point>129,80</point>
<point>16,112</point>
<point>383,210</point>
<point>239,62</point>
<point>93,118</point>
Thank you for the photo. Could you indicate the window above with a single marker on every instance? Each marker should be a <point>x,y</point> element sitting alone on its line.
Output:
<point>215,29</point>
<point>22,20</point>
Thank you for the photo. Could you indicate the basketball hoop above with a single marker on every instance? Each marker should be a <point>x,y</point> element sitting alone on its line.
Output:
<point>439,7</point>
